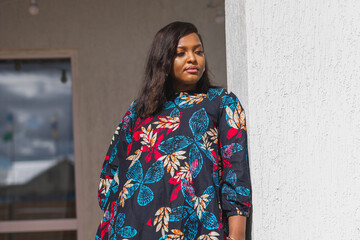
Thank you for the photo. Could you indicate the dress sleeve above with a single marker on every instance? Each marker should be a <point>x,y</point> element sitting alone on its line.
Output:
<point>109,182</point>
<point>234,165</point>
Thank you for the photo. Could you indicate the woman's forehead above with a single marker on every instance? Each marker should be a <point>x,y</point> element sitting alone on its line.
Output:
<point>191,40</point>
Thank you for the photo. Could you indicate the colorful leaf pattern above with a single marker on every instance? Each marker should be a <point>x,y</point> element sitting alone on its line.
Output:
<point>124,192</point>
<point>162,220</point>
<point>172,123</point>
<point>171,161</point>
<point>176,235</point>
<point>187,100</point>
<point>188,158</point>
<point>211,236</point>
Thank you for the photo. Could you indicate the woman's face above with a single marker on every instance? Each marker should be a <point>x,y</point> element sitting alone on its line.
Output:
<point>188,64</point>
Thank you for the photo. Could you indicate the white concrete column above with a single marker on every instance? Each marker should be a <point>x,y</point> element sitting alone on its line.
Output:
<point>295,67</point>
<point>236,56</point>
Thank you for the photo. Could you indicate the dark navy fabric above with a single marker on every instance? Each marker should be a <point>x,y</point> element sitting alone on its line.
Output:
<point>179,174</point>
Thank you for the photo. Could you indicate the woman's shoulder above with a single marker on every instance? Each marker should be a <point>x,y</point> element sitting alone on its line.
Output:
<point>220,93</point>
<point>130,113</point>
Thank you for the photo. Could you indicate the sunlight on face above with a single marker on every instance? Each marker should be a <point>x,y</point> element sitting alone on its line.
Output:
<point>188,64</point>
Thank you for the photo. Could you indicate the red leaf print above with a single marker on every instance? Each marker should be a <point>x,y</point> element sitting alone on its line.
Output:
<point>214,155</point>
<point>169,131</point>
<point>146,121</point>
<point>247,204</point>
<point>104,231</point>
<point>148,157</point>
<point>129,148</point>
<point>137,123</point>
<point>137,135</point>
<point>157,154</point>
<point>226,162</point>
<point>145,148</point>
<point>149,222</point>
<point>174,181</point>
<point>159,140</point>
<point>175,192</point>
<point>215,167</point>
<point>107,158</point>
<point>239,134</point>
<point>231,133</point>
<point>220,225</point>
<point>193,166</point>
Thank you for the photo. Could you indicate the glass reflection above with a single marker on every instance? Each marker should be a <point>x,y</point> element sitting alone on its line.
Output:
<point>36,145</point>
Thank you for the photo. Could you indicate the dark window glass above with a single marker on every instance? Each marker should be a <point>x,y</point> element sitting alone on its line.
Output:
<point>36,144</point>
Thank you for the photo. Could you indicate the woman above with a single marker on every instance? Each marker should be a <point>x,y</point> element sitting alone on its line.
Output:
<point>177,165</point>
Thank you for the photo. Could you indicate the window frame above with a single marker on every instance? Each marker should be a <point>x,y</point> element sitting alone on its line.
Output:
<point>66,224</point>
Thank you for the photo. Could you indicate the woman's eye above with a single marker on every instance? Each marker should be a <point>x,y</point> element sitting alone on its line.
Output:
<point>199,52</point>
<point>180,54</point>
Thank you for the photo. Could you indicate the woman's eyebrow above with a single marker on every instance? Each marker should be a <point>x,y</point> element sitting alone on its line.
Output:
<point>183,47</point>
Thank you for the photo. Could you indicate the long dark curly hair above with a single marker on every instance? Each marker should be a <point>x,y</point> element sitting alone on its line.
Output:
<point>157,85</point>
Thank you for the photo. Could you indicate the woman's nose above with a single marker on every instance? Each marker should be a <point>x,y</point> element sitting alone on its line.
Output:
<point>191,57</point>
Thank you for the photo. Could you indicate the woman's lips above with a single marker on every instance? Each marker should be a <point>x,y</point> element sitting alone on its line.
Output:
<point>192,70</point>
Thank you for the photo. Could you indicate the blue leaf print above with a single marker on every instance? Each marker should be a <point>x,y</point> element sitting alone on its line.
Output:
<point>127,232</point>
<point>107,195</point>
<point>211,192</point>
<point>175,113</point>
<point>188,191</point>
<point>228,150</point>
<point>135,172</point>
<point>229,193</point>
<point>194,156</point>
<point>181,102</point>
<point>106,165</point>
<point>107,216</point>
<point>191,226</point>
<point>114,189</point>
<point>131,190</point>
<point>113,153</point>
<point>175,144</point>
<point>145,196</point>
<point>113,171</point>
<point>179,213</point>
<point>120,220</point>
<point>154,173</point>
<point>126,122</point>
<point>209,220</point>
<point>231,178</point>
<point>208,155</point>
<point>199,123</point>
<point>132,107</point>
<point>215,176</point>
<point>128,136</point>
<point>213,92</point>
<point>243,191</point>
<point>169,104</point>
<point>226,101</point>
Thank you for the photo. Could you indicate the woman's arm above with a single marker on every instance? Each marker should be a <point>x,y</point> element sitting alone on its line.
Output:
<point>235,173</point>
<point>237,227</point>
<point>108,177</point>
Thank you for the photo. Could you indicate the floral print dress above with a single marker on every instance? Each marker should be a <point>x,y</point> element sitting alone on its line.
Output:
<point>179,174</point>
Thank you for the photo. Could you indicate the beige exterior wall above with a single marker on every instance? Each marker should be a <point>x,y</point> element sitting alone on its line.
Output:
<point>112,39</point>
